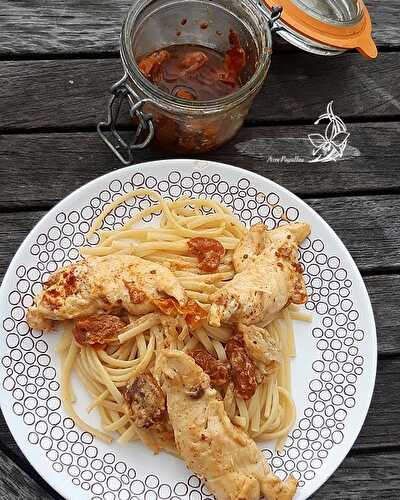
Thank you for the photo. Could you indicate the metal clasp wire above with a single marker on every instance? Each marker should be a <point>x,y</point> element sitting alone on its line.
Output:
<point>122,150</point>
<point>275,15</point>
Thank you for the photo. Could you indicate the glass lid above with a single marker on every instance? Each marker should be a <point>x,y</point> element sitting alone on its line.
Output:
<point>325,27</point>
<point>332,11</point>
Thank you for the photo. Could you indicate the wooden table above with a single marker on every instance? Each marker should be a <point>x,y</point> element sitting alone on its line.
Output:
<point>59,59</point>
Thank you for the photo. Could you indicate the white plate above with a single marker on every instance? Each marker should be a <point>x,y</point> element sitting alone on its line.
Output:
<point>333,373</point>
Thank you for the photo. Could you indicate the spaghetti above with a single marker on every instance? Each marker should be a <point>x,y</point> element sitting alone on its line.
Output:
<point>106,370</point>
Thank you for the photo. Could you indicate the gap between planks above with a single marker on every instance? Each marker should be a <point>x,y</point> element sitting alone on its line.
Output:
<point>249,124</point>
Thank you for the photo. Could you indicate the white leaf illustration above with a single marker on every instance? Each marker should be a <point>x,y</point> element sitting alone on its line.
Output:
<point>341,138</point>
<point>317,140</point>
<point>331,145</point>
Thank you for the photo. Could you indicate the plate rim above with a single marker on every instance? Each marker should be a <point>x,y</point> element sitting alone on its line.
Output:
<point>179,164</point>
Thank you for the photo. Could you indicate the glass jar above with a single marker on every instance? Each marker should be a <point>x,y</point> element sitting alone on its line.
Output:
<point>179,125</point>
<point>325,27</point>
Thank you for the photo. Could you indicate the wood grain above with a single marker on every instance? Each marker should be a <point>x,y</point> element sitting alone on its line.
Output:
<point>384,292</point>
<point>382,425</point>
<point>40,169</point>
<point>383,15</point>
<point>36,27</point>
<point>73,93</point>
<point>368,227</point>
<point>364,477</point>
<point>71,26</point>
<point>16,483</point>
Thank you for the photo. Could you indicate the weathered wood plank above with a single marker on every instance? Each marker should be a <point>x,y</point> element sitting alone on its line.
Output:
<point>9,443</point>
<point>29,162</point>
<point>382,425</point>
<point>385,28</point>
<point>32,27</point>
<point>367,225</point>
<point>298,87</point>
<point>364,477</point>
<point>59,27</point>
<point>16,483</point>
<point>384,292</point>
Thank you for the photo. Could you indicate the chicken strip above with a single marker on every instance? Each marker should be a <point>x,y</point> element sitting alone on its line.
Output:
<point>261,348</point>
<point>269,277</point>
<point>258,238</point>
<point>248,247</point>
<point>99,285</point>
<point>230,463</point>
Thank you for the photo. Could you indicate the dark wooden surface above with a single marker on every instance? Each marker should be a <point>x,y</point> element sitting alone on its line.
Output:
<point>58,60</point>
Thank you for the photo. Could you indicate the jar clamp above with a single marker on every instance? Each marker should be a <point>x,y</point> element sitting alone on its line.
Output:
<point>123,150</point>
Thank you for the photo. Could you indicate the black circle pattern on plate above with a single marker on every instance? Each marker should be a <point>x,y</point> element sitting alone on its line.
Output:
<point>332,389</point>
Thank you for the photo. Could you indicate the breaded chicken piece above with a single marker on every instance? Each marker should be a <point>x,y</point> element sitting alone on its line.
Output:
<point>98,285</point>
<point>230,463</point>
<point>269,277</point>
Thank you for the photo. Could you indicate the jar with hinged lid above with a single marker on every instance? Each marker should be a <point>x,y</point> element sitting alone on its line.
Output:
<point>199,113</point>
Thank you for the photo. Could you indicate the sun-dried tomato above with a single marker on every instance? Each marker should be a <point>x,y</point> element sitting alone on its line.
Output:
<point>193,61</point>
<point>208,251</point>
<point>217,370</point>
<point>97,329</point>
<point>145,401</point>
<point>185,94</point>
<point>150,65</point>
<point>191,311</point>
<point>234,62</point>
<point>243,370</point>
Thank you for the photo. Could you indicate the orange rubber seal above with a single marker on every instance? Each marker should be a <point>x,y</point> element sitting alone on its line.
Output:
<point>357,36</point>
